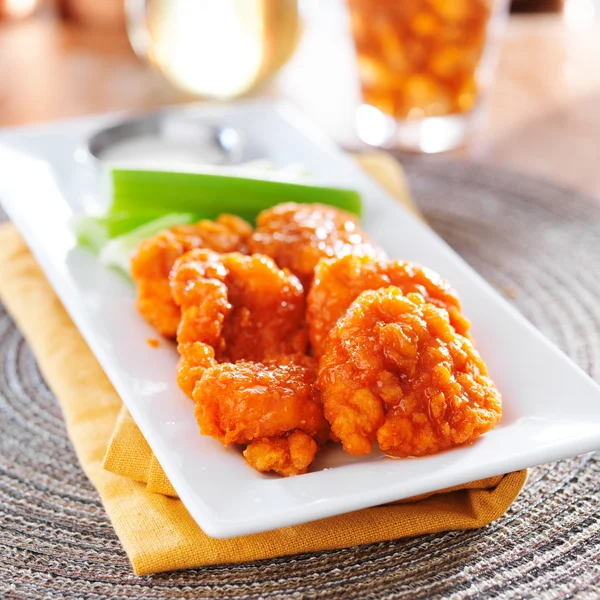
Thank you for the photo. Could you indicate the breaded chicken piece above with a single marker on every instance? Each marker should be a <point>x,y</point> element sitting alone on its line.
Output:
<point>339,281</point>
<point>243,307</point>
<point>199,289</point>
<point>194,359</point>
<point>287,455</point>
<point>275,408</point>
<point>152,262</point>
<point>238,403</point>
<point>297,236</point>
<point>395,371</point>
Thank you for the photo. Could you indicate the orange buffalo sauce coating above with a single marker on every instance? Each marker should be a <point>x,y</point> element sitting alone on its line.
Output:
<point>394,371</point>
<point>297,236</point>
<point>243,306</point>
<point>237,307</point>
<point>339,281</point>
<point>244,401</point>
<point>275,408</point>
<point>151,264</point>
<point>395,364</point>
<point>194,359</point>
<point>291,455</point>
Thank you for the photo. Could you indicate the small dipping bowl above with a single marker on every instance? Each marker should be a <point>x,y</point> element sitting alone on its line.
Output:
<point>162,140</point>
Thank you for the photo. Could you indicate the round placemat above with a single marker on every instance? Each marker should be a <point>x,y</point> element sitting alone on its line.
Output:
<point>539,245</point>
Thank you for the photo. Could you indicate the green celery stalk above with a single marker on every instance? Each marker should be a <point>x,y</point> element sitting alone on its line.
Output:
<point>90,232</point>
<point>117,252</point>
<point>208,195</point>
<point>94,232</point>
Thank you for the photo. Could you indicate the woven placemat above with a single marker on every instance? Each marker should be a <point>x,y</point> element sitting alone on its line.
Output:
<point>539,244</point>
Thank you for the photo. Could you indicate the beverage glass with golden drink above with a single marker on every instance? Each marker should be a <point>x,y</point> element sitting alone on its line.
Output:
<point>423,66</point>
<point>216,49</point>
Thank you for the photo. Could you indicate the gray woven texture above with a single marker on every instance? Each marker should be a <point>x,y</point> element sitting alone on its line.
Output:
<point>539,245</point>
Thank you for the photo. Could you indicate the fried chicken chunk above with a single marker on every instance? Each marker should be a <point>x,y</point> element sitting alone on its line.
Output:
<point>194,359</point>
<point>291,455</point>
<point>275,408</point>
<point>243,307</point>
<point>395,371</point>
<point>154,258</point>
<point>296,236</point>
<point>339,281</point>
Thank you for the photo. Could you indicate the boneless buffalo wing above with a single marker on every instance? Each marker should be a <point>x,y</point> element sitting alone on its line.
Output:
<point>243,307</point>
<point>395,371</point>
<point>389,363</point>
<point>339,281</point>
<point>297,236</point>
<point>275,408</point>
<point>154,258</point>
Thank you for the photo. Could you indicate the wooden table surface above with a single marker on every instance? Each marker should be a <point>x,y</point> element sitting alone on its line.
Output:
<point>543,113</point>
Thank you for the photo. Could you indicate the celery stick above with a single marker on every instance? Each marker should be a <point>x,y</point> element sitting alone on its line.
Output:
<point>208,195</point>
<point>90,233</point>
<point>95,231</point>
<point>117,252</point>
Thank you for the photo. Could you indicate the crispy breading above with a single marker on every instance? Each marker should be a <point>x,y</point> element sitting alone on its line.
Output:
<point>339,281</point>
<point>297,236</point>
<point>287,455</point>
<point>273,407</point>
<point>244,307</point>
<point>152,262</point>
<point>395,371</point>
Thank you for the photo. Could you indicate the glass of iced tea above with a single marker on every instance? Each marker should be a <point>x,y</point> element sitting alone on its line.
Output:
<point>423,67</point>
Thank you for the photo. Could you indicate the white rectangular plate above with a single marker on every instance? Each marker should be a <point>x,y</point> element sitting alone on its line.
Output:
<point>551,408</point>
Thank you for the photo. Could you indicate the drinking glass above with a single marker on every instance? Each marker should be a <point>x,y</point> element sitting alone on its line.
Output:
<point>216,49</point>
<point>424,66</point>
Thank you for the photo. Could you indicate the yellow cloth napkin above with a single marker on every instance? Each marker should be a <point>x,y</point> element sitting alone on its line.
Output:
<point>155,529</point>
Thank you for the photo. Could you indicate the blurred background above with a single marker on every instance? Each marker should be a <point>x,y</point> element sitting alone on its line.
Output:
<point>515,84</point>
